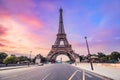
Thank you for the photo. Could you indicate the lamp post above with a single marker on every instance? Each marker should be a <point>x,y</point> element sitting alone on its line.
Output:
<point>89,55</point>
<point>30,56</point>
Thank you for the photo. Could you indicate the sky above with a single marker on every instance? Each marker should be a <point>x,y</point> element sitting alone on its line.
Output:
<point>30,26</point>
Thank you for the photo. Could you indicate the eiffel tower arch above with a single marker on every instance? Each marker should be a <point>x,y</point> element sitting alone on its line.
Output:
<point>61,45</point>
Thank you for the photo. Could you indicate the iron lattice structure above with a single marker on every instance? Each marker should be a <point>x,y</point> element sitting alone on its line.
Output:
<point>61,45</point>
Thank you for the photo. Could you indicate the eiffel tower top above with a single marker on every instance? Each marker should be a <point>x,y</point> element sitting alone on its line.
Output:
<point>61,26</point>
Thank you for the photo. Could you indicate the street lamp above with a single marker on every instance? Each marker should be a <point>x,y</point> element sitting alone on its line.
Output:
<point>30,56</point>
<point>89,55</point>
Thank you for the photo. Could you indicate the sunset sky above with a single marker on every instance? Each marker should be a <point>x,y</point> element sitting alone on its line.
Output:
<point>32,25</point>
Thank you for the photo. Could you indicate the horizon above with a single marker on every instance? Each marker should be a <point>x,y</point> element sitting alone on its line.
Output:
<point>28,25</point>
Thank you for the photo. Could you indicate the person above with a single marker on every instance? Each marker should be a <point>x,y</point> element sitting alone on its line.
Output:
<point>28,64</point>
<point>6,64</point>
<point>75,63</point>
<point>118,59</point>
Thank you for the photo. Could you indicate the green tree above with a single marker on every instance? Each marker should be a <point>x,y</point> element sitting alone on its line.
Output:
<point>2,56</point>
<point>10,60</point>
<point>100,54</point>
<point>115,55</point>
<point>33,60</point>
<point>81,57</point>
<point>104,59</point>
<point>22,58</point>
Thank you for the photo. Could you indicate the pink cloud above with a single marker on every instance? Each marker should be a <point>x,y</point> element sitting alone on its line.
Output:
<point>31,21</point>
<point>104,34</point>
<point>3,31</point>
<point>19,38</point>
<point>94,46</point>
<point>2,45</point>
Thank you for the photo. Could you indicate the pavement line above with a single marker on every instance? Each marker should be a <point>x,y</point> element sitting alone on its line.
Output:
<point>73,75</point>
<point>46,76</point>
<point>97,75</point>
<point>88,75</point>
<point>83,76</point>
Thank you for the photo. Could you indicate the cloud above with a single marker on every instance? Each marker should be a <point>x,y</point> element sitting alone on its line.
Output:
<point>15,31</point>
<point>2,45</point>
<point>48,5</point>
<point>30,21</point>
<point>20,37</point>
<point>26,7</point>
<point>3,30</point>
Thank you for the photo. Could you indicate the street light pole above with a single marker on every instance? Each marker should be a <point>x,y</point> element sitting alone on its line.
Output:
<point>30,56</point>
<point>89,53</point>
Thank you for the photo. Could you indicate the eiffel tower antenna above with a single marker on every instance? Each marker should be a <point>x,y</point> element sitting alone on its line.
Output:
<point>61,25</point>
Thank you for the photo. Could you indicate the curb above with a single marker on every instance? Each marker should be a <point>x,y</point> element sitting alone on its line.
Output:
<point>14,68</point>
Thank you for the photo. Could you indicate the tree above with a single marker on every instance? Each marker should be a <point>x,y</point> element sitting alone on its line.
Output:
<point>115,55</point>
<point>22,58</point>
<point>81,57</point>
<point>43,59</point>
<point>33,60</point>
<point>2,56</point>
<point>10,60</point>
<point>104,59</point>
<point>100,54</point>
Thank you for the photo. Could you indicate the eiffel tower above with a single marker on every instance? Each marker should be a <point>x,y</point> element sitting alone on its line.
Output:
<point>61,45</point>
